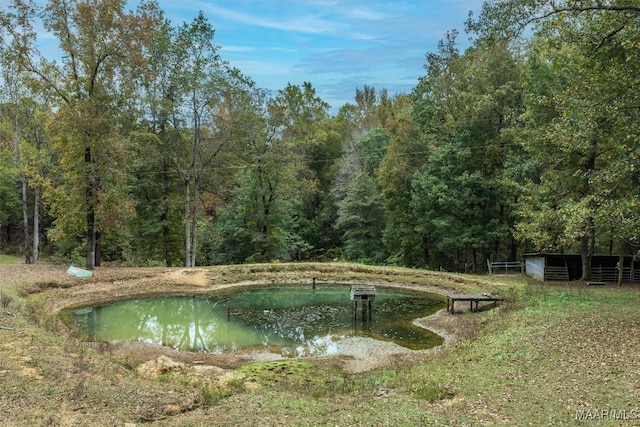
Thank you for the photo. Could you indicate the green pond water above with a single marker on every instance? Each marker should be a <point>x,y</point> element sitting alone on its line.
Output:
<point>291,320</point>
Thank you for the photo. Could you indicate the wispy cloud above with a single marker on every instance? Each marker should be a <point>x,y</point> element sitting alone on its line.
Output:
<point>367,14</point>
<point>232,48</point>
<point>302,23</point>
<point>337,45</point>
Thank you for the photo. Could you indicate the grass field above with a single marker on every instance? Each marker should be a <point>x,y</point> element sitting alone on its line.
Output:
<point>8,259</point>
<point>564,354</point>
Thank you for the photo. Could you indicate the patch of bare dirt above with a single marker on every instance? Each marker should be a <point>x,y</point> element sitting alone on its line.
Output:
<point>451,327</point>
<point>189,276</point>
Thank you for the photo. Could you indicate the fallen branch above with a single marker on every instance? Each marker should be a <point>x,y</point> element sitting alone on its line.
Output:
<point>6,328</point>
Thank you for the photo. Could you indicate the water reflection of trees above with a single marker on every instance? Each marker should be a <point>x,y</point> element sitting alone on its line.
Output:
<point>307,324</point>
<point>182,323</point>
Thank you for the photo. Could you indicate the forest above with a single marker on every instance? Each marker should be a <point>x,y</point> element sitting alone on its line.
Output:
<point>139,145</point>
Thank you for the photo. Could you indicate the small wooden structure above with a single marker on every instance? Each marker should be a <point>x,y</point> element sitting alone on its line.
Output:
<point>473,300</point>
<point>555,267</point>
<point>366,294</point>
<point>568,267</point>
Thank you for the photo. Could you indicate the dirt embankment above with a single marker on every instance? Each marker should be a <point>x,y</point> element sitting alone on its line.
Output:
<point>356,354</point>
<point>47,377</point>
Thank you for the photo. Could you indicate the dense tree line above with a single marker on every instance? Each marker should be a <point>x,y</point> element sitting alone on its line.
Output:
<point>139,144</point>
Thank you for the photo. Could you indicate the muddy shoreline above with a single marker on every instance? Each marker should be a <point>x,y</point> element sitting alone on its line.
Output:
<point>354,354</point>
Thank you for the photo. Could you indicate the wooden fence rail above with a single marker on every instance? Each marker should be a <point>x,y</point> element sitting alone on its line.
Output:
<point>504,266</point>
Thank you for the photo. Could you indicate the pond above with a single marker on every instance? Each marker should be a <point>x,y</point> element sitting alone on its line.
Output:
<point>290,320</point>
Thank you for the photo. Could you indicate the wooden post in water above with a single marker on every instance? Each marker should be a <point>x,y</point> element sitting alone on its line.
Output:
<point>313,286</point>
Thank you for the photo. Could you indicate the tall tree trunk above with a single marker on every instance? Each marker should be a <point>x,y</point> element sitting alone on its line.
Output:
<point>425,249</point>
<point>194,221</point>
<point>98,247</point>
<point>587,241</point>
<point>91,239</point>
<point>585,256</point>
<point>621,263</point>
<point>91,214</point>
<point>187,224</point>
<point>164,217</point>
<point>25,218</point>
<point>475,260</point>
<point>36,226</point>
<point>514,249</point>
<point>17,161</point>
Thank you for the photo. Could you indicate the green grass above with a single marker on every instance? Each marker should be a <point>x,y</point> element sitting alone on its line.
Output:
<point>546,355</point>
<point>567,350</point>
<point>9,259</point>
<point>551,353</point>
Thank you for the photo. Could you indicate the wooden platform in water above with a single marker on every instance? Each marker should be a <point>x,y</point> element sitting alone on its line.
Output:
<point>362,292</point>
<point>366,294</point>
<point>473,300</point>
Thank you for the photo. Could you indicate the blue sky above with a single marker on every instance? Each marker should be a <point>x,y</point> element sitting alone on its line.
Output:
<point>337,45</point>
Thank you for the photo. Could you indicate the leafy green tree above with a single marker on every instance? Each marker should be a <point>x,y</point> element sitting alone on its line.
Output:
<point>15,114</point>
<point>421,121</point>
<point>308,132</point>
<point>459,203</point>
<point>361,214</point>
<point>156,231</point>
<point>508,19</point>
<point>581,120</point>
<point>405,156</point>
<point>92,84</point>
<point>256,225</point>
<point>156,187</point>
<point>185,93</point>
<point>366,106</point>
<point>33,162</point>
<point>258,220</point>
<point>361,218</point>
<point>318,214</point>
<point>9,190</point>
<point>201,78</point>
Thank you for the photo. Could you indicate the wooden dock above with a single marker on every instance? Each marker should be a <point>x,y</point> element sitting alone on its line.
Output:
<point>473,300</point>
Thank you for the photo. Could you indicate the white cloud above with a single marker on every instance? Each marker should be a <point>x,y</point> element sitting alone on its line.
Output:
<point>303,23</point>
<point>337,45</point>
<point>367,14</point>
<point>233,48</point>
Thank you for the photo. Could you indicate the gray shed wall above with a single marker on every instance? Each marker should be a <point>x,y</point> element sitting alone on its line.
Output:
<point>534,267</point>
